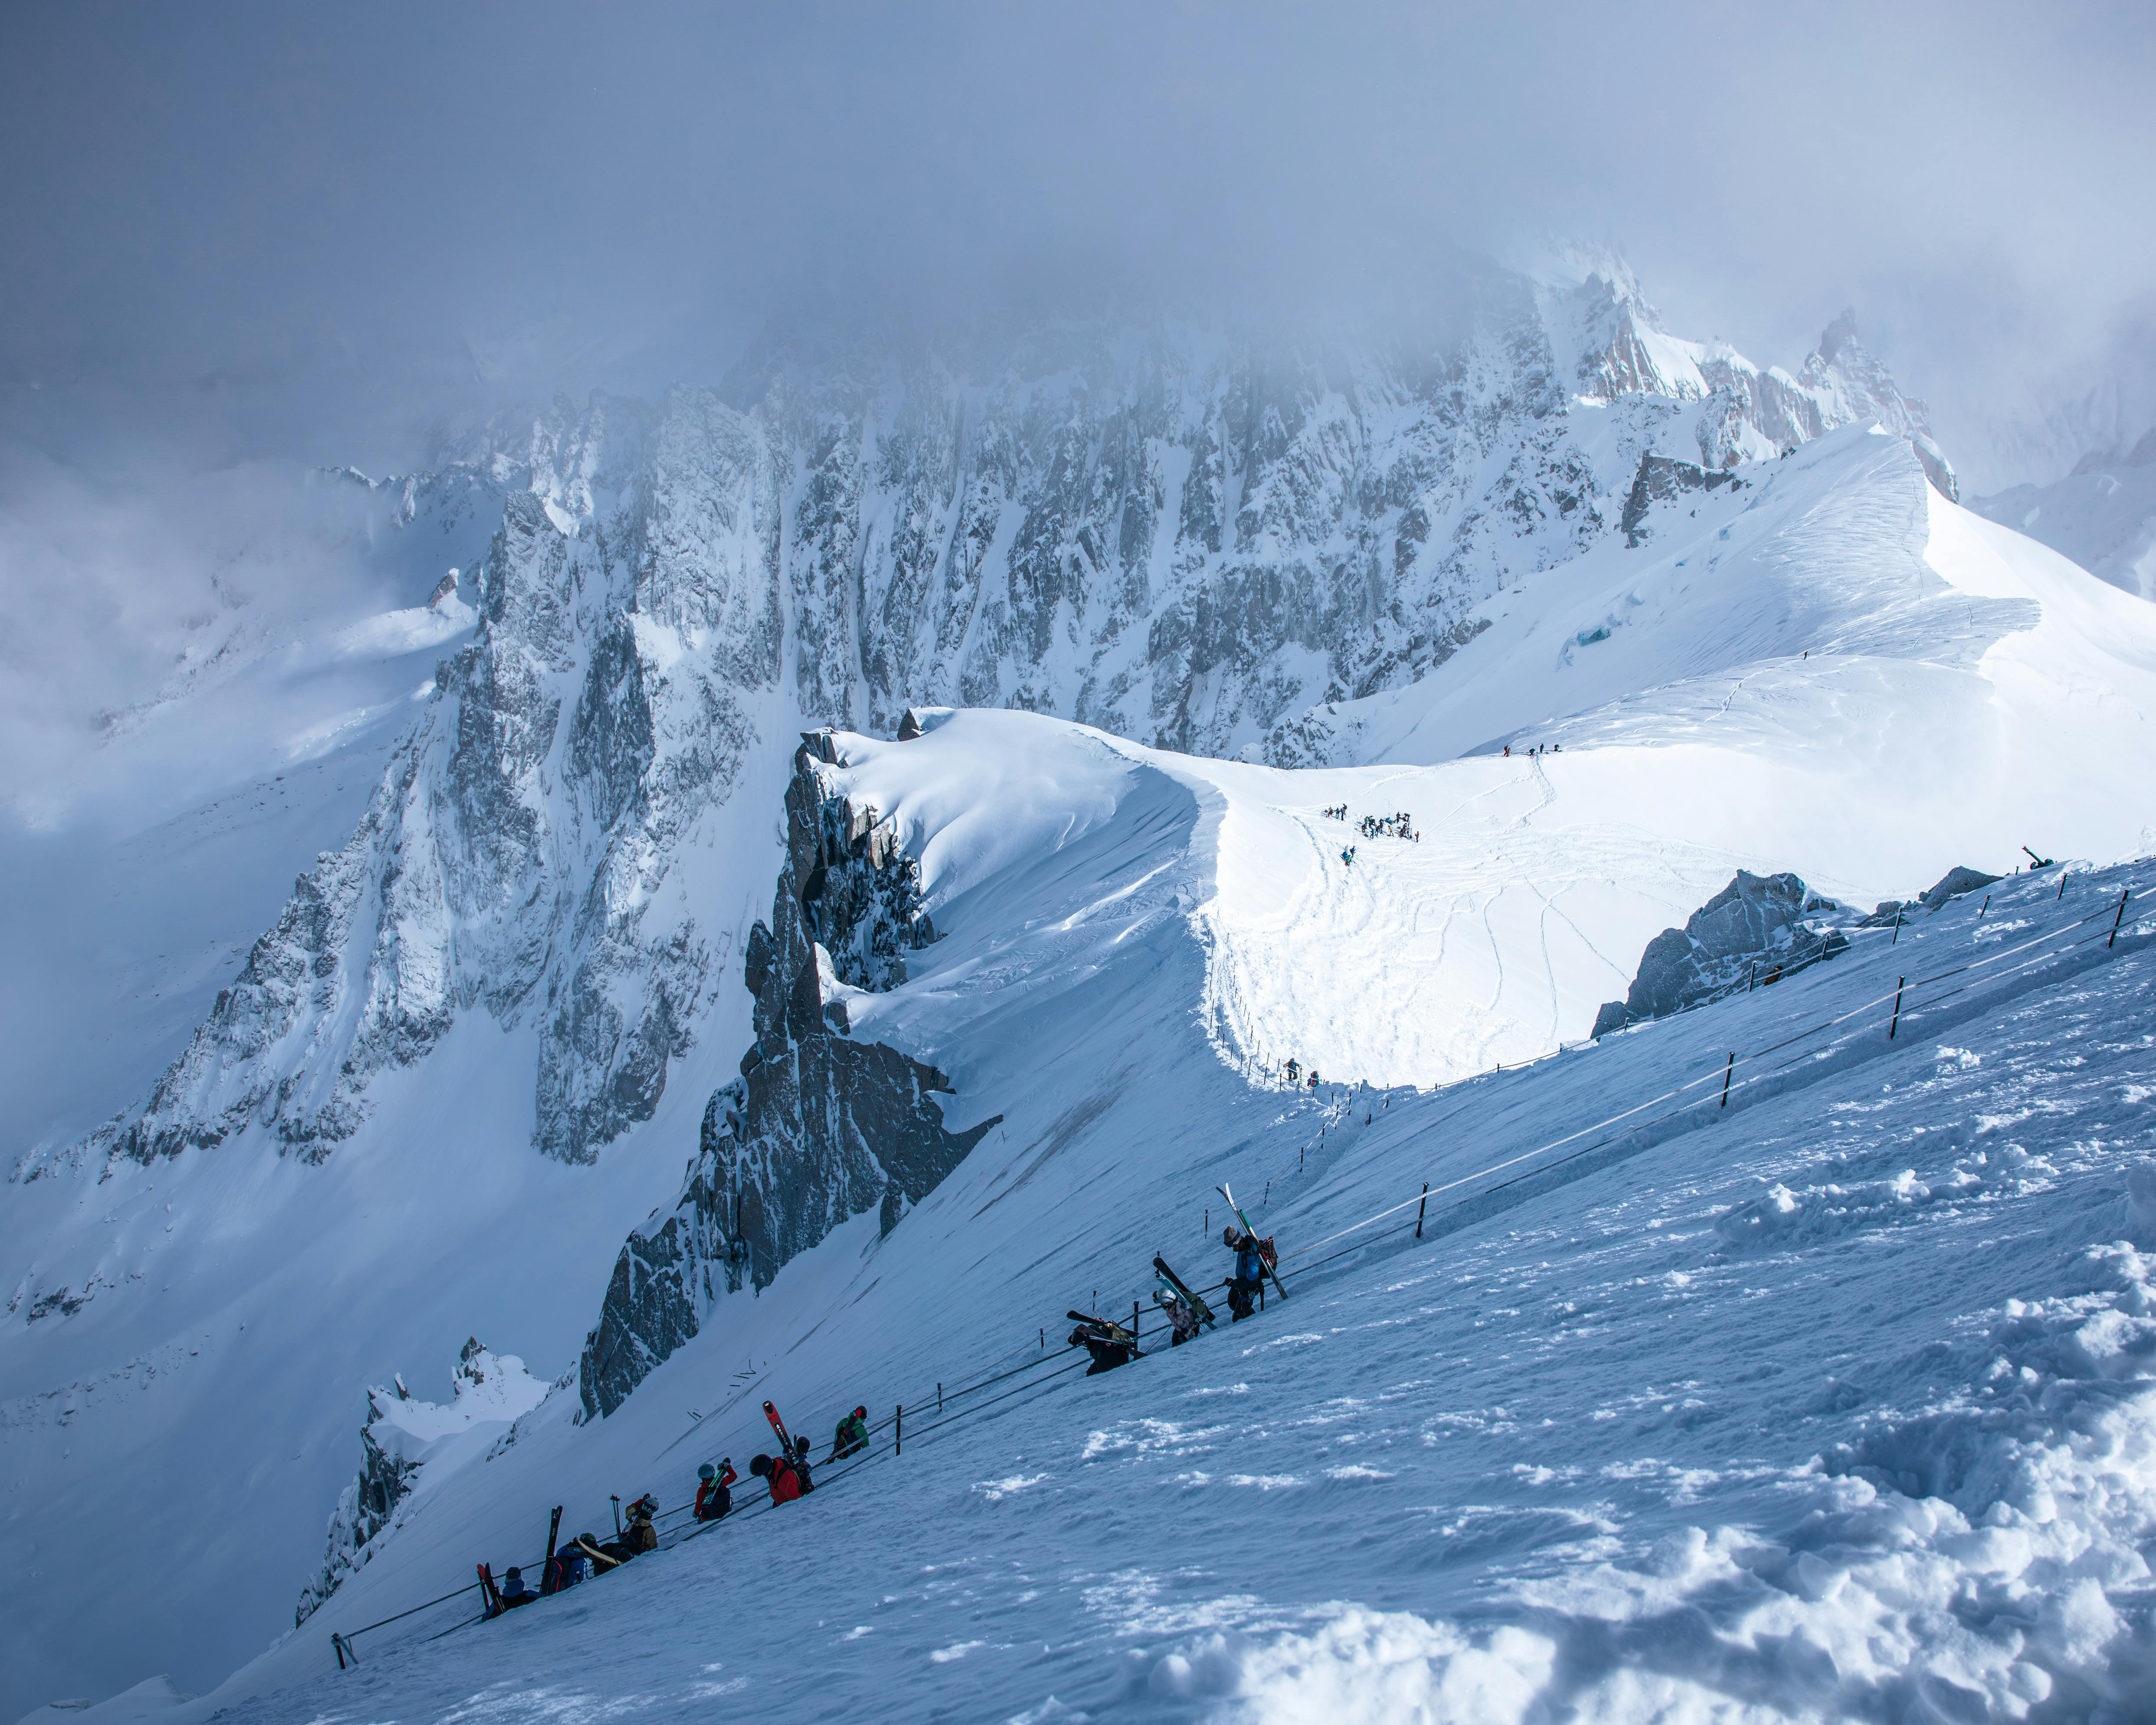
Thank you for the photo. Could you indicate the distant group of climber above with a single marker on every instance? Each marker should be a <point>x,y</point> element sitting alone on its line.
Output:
<point>786,1476</point>
<point>1378,826</point>
<point>1540,748</point>
<point>1391,826</point>
<point>1294,1071</point>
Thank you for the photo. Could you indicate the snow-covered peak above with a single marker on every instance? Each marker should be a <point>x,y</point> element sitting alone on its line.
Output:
<point>409,1447</point>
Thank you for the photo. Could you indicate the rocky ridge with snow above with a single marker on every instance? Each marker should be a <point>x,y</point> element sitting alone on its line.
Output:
<point>399,1439</point>
<point>1757,926</point>
<point>1185,537</point>
<point>819,1127</point>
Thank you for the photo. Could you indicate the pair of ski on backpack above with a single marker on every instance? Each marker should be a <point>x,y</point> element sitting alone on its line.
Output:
<point>1172,1287</point>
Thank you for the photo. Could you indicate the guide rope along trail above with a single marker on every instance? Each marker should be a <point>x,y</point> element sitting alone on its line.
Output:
<point>2105,927</point>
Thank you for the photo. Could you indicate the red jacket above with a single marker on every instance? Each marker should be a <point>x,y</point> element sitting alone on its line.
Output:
<point>785,1483</point>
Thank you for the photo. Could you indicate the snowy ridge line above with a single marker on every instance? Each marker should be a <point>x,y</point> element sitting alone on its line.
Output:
<point>1910,1013</point>
<point>2113,925</point>
<point>1747,1060</point>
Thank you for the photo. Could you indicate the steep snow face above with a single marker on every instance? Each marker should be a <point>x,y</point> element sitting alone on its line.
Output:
<point>1829,1403</point>
<point>535,936</point>
<point>2103,515</point>
<point>514,846</point>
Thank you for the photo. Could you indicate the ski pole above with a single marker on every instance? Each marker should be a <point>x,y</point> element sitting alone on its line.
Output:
<point>2123,898</point>
<point>553,1534</point>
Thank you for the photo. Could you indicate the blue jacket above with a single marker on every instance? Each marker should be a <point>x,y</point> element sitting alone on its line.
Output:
<point>1249,1265</point>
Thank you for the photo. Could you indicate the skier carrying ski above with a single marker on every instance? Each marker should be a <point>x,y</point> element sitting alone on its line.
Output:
<point>1294,1072</point>
<point>715,1489</point>
<point>1249,1277</point>
<point>1109,1344</point>
<point>1180,1318</point>
<point>852,1435</point>
<point>778,1474</point>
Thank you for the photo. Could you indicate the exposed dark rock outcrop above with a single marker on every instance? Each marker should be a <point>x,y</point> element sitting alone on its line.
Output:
<point>1956,881</point>
<point>820,1128</point>
<point>1754,930</point>
<point>1659,479</point>
<point>1950,885</point>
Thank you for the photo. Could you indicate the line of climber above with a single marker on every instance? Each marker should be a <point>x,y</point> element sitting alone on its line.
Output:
<point>1111,1345</point>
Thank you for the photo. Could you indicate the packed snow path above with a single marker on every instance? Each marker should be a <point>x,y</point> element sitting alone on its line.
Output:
<point>1834,1407</point>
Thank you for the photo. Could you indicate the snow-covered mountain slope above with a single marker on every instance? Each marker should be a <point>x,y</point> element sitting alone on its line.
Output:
<point>2103,515</point>
<point>1183,538</point>
<point>557,874</point>
<point>1830,1403</point>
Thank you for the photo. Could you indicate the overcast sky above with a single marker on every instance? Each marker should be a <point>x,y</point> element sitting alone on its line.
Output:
<point>327,213</point>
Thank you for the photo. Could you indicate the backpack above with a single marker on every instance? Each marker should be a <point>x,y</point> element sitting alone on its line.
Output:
<point>1266,1252</point>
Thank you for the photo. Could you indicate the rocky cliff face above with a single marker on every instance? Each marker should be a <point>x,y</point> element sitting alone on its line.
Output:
<point>820,1128</point>
<point>1190,538</point>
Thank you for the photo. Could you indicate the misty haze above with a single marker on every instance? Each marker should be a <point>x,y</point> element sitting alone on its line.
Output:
<point>1186,862</point>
